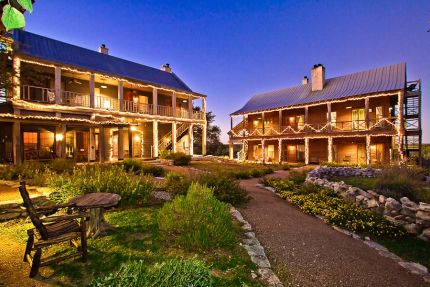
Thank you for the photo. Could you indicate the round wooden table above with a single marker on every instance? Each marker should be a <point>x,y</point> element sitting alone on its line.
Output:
<point>96,203</point>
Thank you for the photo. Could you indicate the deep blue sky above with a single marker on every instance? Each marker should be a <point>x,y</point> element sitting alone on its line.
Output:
<point>231,50</point>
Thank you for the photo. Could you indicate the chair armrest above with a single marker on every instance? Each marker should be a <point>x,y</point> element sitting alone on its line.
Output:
<point>55,206</point>
<point>65,217</point>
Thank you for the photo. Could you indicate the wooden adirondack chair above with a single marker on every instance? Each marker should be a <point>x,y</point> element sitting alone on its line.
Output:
<point>50,230</point>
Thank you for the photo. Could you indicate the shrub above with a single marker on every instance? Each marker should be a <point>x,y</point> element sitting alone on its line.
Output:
<point>62,165</point>
<point>96,178</point>
<point>179,158</point>
<point>176,184</point>
<point>298,177</point>
<point>286,166</point>
<point>26,170</point>
<point>400,181</point>
<point>226,188</point>
<point>174,272</point>
<point>197,220</point>
<point>138,167</point>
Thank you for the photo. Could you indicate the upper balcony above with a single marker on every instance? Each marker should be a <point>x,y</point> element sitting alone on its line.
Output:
<point>39,84</point>
<point>376,116</point>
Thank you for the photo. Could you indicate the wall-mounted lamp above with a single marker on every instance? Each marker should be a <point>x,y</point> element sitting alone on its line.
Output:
<point>184,101</point>
<point>137,138</point>
<point>59,137</point>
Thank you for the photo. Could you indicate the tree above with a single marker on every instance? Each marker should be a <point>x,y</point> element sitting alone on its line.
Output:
<point>12,14</point>
<point>213,144</point>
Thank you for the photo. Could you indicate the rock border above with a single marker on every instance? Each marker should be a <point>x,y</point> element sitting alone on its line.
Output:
<point>413,267</point>
<point>256,251</point>
<point>415,218</point>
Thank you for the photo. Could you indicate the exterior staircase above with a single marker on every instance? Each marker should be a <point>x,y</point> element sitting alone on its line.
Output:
<point>166,141</point>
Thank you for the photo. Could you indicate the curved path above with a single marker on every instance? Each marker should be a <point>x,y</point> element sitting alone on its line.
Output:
<point>310,253</point>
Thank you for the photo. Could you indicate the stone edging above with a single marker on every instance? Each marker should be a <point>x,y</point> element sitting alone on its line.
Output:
<point>415,218</point>
<point>413,267</point>
<point>256,252</point>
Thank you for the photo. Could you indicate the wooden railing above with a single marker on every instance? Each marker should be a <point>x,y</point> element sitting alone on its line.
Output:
<point>37,94</point>
<point>75,99</point>
<point>383,124</point>
<point>106,103</point>
<point>198,115</point>
<point>182,113</point>
<point>132,107</point>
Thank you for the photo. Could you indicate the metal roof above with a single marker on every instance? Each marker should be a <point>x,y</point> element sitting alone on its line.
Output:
<point>51,50</point>
<point>383,79</point>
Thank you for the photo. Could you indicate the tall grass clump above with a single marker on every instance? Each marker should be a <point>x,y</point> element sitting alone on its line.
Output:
<point>113,179</point>
<point>139,167</point>
<point>400,181</point>
<point>174,272</point>
<point>196,221</point>
<point>179,158</point>
<point>61,165</point>
<point>33,172</point>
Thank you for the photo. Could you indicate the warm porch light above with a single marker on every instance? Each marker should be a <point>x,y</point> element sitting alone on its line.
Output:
<point>133,128</point>
<point>137,138</point>
<point>348,108</point>
<point>103,86</point>
<point>184,101</point>
<point>59,137</point>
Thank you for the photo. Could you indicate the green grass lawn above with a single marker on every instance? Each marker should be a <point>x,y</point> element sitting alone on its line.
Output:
<point>135,237</point>
<point>409,248</point>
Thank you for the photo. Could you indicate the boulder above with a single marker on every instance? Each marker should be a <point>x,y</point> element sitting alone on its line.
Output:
<point>425,235</point>
<point>364,193</point>
<point>424,206</point>
<point>381,199</point>
<point>423,218</point>
<point>409,203</point>
<point>392,205</point>
<point>372,203</point>
<point>412,228</point>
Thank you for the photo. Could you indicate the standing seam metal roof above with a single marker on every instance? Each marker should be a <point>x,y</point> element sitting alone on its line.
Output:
<point>383,79</point>
<point>48,49</point>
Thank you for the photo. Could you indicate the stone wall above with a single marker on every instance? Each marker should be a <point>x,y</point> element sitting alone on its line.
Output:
<point>415,218</point>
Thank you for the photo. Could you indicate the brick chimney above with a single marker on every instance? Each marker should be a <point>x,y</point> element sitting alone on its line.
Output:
<point>318,77</point>
<point>166,68</point>
<point>103,49</point>
<point>305,80</point>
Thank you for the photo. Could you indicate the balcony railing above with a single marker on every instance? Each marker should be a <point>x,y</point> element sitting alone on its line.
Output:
<point>37,94</point>
<point>383,124</point>
<point>75,99</point>
<point>106,103</point>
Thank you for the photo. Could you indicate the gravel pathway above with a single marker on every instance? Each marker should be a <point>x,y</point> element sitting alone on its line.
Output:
<point>311,252</point>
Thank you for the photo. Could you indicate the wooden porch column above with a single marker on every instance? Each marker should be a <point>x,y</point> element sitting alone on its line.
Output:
<point>367,113</point>
<point>155,106</point>
<point>155,139</point>
<point>102,144</point>
<point>174,104</point>
<point>191,139</point>
<point>120,143</point>
<point>230,151</point>
<point>190,107</point>
<point>121,96</point>
<point>204,136</point>
<point>280,121</point>
<point>57,89</point>
<point>306,115</point>
<point>279,150</point>
<point>306,150</point>
<point>174,137</point>
<point>263,156</point>
<point>92,91</point>
<point>245,127</point>
<point>401,127</point>
<point>17,143</point>
<point>330,149</point>
<point>92,149</point>
<point>17,78</point>
<point>60,140</point>
<point>130,142</point>
<point>262,121</point>
<point>368,155</point>
<point>204,107</point>
<point>329,116</point>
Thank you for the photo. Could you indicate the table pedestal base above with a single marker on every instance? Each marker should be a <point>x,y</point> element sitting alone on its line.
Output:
<point>97,224</point>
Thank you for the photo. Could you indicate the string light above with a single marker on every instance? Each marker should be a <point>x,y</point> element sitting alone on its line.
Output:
<point>33,117</point>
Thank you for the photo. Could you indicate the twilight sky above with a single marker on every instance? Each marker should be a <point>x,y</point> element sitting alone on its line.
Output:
<point>231,50</point>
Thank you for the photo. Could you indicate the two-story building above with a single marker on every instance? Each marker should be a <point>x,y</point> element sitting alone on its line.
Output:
<point>76,103</point>
<point>366,117</point>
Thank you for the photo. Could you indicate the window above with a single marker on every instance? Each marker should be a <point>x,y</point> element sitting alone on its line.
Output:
<point>379,114</point>
<point>300,120</point>
<point>333,119</point>
<point>30,145</point>
<point>270,152</point>
<point>358,122</point>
